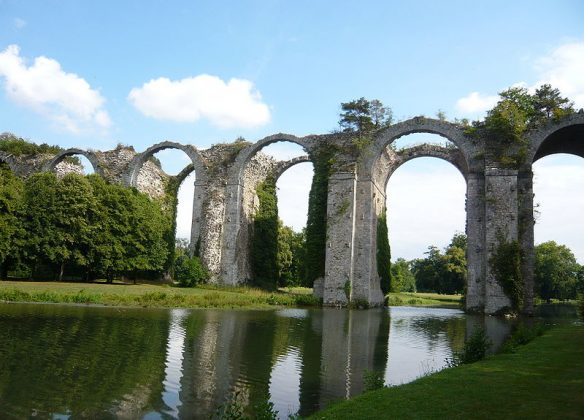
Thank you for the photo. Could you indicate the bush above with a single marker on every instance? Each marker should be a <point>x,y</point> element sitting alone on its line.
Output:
<point>475,349</point>
<point>521,336</point>
<point>372,380</point>
<point>189,271</point>
<point>581,306</point>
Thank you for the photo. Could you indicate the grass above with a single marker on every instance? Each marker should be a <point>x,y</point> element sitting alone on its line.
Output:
<point>543,379</point>
<point>424,299</point>
<point>149,295</point>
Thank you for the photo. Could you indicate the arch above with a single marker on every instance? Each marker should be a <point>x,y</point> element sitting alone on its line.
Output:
<point>374,163</point>
<point>243,158</point>
<point>565,136</point>
<point>284,165</point>
<point>138,161</point>
<point>447,154</point>
<point>91,157</point>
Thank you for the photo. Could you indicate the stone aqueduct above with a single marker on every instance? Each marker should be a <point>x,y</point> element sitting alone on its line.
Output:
<point>499,201</point>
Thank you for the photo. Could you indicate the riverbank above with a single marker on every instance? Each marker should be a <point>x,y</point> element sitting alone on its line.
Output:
<point>424,299</point>
<point>543,379</point>
<point>152,295</point>
<point>204,296</point>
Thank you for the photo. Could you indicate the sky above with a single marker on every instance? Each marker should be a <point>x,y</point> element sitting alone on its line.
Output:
<point>95,74</point>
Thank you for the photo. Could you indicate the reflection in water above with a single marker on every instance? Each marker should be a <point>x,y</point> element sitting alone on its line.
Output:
<point>118,363</point>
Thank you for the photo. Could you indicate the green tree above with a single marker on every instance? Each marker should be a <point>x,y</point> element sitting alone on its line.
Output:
<point>362,115</point>
<point>383,254</point>
<point>189,271</point>
<point>264,250</point>
<point>556,271</point>
<point>402,278</point>
<point>11,206</point>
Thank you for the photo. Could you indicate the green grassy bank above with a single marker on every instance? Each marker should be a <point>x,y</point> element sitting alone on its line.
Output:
<point>149,295</point>
<point>543,379</point>
<point>424,299</point>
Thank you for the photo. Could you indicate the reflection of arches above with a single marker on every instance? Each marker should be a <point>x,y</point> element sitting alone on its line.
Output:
<point>91,157</point>
<point>448,154</point>
<point>566,136</point>
<point>139,160</point>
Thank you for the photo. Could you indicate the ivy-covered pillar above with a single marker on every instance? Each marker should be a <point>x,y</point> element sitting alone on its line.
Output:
<point>501,236</point>
<point>475,231</point>
<point>197,216</point>
<point>340,238</point>
<point>526,237</point>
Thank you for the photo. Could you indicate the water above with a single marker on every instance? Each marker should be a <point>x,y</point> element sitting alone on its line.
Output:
<point>92,362</point>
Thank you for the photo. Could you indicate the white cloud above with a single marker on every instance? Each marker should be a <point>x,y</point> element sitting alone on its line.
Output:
<point>19,23</point>
<point>563,68</point>
<point>475,103</point>
<point>226,105</point>
<point>65,98</point>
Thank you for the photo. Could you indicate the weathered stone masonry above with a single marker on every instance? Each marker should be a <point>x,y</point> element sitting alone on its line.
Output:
<point>499,200</point>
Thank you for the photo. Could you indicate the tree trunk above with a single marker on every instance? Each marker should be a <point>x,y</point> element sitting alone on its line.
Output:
<point>4,271</point>
<point>61,270</point>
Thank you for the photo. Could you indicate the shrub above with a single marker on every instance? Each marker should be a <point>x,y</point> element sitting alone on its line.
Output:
<point>373,380</point>
<point>189,271</point>
<point>475,349</point>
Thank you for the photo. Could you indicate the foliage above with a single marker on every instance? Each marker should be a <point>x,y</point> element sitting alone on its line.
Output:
<point>506,265</point>
<point>189,271</point>
<point>316,224</point>
<point>383,254</point>
<point>556,272</point>
<point>517,112</point>
<point>264,243</point>
<point>363,116</point>
<point>373,380</point>
<point>522,335</point>
<point>442,273</point>
<point>81,225</point>
<point>475,349</point>
<point>581,306</point>
<point>402,278</point>
<point>11,190</point>
<point>17,146</point>
<point>234,409</point>
<point>291,255</point>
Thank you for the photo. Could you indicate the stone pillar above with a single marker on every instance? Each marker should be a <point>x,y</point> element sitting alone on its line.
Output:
<point>234,258</point>
<point>501,208</point>
<point>340,237</point>
<point>370,204</point>
<point>197,215</point>
<point>526,235</point>
<point>475,231</point>
<point>211,199</point>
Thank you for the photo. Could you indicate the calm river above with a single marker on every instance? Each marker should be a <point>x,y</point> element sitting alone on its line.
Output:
<point>93,362</point>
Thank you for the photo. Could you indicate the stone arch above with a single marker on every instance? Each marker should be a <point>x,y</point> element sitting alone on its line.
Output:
<point>447,154</point>
<point>284,165</point>
<point>91,157</point>
<point>136,163</point>
<point>565,136</point>
<point>375,163</point>
<point>243,158</point>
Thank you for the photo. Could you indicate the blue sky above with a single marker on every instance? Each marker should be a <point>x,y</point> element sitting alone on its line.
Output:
<point>92,74</point>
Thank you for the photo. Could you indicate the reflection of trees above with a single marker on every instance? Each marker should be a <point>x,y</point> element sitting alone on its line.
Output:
<point>433,329</point>
<point>81,361</point>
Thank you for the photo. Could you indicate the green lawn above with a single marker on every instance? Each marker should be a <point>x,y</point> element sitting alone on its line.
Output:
<point>541,380</point>
<point>151,295</point>
<point>424,299</point>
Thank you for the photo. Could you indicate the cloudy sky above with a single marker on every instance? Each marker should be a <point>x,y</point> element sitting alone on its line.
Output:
<point>93,74</point>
